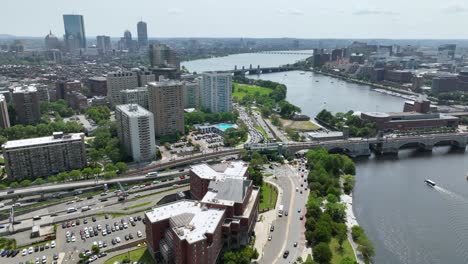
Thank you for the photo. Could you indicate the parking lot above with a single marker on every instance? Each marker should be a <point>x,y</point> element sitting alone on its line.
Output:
<point>80,238</point>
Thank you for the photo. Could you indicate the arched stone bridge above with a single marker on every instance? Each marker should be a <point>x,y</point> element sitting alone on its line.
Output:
<point>355,147</point>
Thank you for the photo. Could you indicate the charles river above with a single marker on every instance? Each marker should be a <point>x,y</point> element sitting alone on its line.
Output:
<point>407,221</point>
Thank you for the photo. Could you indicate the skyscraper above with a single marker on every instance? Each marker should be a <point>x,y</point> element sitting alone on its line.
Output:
<point>75,36</point>
<point>166,102</point>
<point>216,92</point>
<point>103,44</point>
<point>135,129</point>
<point>142,34</point>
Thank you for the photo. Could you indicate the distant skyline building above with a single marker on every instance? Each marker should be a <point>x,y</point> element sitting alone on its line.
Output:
<point>166,102</point>
<point>192,94</point>
<point>103,44</point>
<point>26,104</point>
<point>142,34</point>
<point>51,41</point>
<point>446,53</point>
<point>163,56</point>
<point>216,92</point>
<point>75,36</point>
<point>4,117</point>
<point>135,128</point>
<point>118,81</point>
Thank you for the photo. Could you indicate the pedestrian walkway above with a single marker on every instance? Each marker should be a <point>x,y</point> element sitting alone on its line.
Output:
<point>262,228</point>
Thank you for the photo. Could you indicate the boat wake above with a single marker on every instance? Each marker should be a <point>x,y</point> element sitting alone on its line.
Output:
<point>451,194</point>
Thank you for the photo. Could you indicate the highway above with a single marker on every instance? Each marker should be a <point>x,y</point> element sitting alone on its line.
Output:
<point>288,229</point>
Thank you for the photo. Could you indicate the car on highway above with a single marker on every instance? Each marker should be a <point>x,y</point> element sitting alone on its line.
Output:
<point>269,238</point>
<point>286,254</point>
<point>301,217</point>
<point>272,228</point>
<point>295,244</point>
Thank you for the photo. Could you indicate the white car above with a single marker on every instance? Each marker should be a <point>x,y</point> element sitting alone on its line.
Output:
<point>139,234</point>
<point>24,252</point>
<point>95,243</point>
<point>30,250</point>
<point>118,239</point>
<point>52,244</point>
<point>67,234</point>
<point>44,259</point>
<point>73,239</point>
<point>100,244</point>
<point>104,233</point>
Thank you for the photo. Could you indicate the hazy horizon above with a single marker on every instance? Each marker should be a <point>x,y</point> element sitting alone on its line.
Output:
<point>306,19</point>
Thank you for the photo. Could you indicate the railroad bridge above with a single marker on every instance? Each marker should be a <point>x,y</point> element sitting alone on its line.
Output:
<point>356,147</point>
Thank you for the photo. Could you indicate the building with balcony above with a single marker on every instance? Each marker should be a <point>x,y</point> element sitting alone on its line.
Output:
<point>39,157</point>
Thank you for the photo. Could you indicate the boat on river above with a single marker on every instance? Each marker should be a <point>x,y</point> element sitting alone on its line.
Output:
<point>430,183</point>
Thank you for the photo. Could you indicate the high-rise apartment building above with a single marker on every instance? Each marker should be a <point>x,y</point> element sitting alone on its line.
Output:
<point>118,81</point>
<point>103,44</point>
<point>162,56</point>
<point>4,118</point>
<point>75,36</point>
<point>135,128</point>
<point>165,100</point>
<point>26,104</point>
<point>142,35</point>
<point>135,96</point>
<point>216,92</point>
<point>44,156</point>
<point>192,94</point>
<point>97,86</point>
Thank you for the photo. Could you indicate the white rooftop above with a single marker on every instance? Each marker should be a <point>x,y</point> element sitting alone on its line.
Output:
<point>233,169</point>
<point>42,140</point>
<point>189,220</point>
<point>25,89</point>
<point>133,110</point>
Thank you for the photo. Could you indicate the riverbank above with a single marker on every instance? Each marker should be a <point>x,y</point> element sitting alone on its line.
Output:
<point>350,222</point>
<point>377,87</point>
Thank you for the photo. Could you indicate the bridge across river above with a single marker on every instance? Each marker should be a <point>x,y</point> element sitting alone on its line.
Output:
<point>356,147</point>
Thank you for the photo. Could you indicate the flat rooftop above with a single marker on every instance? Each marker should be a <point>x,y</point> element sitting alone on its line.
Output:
<point>221,171</point>
<point>189,219</point>
<point>227,191</point>
<point>42,140</point>
<point>165,83</point>
<point>25,89</point>
<point>133,110</point>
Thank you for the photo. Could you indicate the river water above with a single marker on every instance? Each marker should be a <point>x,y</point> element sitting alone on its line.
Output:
<point>407,221</point>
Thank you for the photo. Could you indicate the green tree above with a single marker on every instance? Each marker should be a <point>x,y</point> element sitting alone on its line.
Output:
<point>75,175</point>
<point>39,181</point>
<point>322,253</point>
<point>366,248</point>
<point>341,232</point>
<point>109,174</point>
<point>87,172</point>
<point>25,183</point>
<point>121,167</point>
<point>110,167</point>
<point>337,211</point>
<point>95,249</point>
<point>322,232</point>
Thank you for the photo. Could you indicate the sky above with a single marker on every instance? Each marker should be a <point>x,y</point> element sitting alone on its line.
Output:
<point>406,19</point>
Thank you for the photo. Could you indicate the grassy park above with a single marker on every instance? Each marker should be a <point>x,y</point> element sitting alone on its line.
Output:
<point>268,197</point>
<point>141,255</point>
<point>338,254</point>
<point>242,90</point>
<point>299,125</point>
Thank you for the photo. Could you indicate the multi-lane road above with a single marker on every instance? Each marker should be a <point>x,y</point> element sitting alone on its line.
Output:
<point>288,229</point>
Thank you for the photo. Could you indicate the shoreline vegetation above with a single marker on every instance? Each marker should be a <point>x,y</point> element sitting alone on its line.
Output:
<point>329,218</point>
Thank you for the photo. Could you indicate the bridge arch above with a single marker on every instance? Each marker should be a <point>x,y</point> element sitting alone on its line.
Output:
<point>336,150</point>
<point>451,142</point>
<point>414,144</point>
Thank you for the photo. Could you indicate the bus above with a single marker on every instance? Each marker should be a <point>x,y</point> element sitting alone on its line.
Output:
<point>280,211</point>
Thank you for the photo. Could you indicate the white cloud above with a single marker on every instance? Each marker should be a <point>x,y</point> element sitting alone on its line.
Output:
<point>175,11</point>
<point>372,11</point>
<point>455,9</point>
<point>290,11</point>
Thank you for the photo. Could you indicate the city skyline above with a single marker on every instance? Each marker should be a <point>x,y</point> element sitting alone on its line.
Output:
<point>297,19</point>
